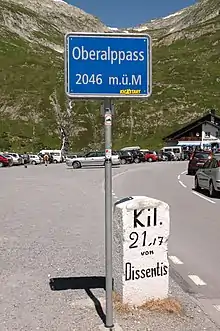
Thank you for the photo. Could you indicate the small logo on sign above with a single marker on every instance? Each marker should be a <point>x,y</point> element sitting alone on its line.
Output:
<point>108,120</point>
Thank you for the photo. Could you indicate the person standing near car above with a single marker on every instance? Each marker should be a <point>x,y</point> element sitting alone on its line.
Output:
<point>26,159</point>
<point>46,159</point>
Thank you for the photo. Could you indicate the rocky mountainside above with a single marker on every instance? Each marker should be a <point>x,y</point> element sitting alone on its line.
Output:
<point>34,112</point>
<point>46,21</point>
<point>175,24</point>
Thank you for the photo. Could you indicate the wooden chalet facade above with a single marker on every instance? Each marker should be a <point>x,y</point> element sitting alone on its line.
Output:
<point>203,131</point>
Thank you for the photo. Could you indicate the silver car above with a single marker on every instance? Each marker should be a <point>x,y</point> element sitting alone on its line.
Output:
<point>208,176</point>
<point>17,159</point>
<point>34,159</point>
<point>96,158</point>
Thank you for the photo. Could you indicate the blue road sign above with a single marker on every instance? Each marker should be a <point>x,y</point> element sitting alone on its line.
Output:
<point>108,65</point>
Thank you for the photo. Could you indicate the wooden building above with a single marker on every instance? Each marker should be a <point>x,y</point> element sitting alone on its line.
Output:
<point>203,132</point>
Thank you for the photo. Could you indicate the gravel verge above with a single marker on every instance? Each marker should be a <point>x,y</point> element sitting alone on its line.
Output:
<point>191,319</point>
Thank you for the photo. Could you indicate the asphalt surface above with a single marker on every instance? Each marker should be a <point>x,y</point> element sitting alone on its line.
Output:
<point>51,227</point>
<point>194,243</point>
<point>52,245</point>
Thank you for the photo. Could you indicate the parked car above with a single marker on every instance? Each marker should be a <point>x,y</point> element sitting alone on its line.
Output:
<point>34,159</point>
<point>17,159</point>
<point>125,157</point>
<point>169,156</point>
<point>4,162</point>
<point>208,176</point>
<point>131,148</point>
<point>74,155</point>
<point>177,150</point>
<point>57,156</point>
<point>137,155</point>
<point>93,158</point>
<point>9,157</point>
<point>197,160</point>
<point>150,156</point>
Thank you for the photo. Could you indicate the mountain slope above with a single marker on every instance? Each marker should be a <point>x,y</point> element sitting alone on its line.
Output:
<point>202,11</point>
<point>32,68</point>
<point>186,80</point>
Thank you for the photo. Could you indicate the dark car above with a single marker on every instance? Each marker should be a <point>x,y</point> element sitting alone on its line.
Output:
<point>125,157</point>
<point>197,160</point>
<point>166,156</point>
<point>138,156</point>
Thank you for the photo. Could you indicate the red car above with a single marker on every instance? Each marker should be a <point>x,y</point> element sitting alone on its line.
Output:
<point>4,162</point>
<point>150,156</point>
<point>197,160</point>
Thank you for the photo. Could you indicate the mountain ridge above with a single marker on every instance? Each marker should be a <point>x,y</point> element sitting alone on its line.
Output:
<point>34,112</point>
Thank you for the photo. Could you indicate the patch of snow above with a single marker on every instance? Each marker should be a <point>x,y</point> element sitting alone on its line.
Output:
<point>113,29</point>
<point>173,15</point>
<point>143,28</point>
<point>60,1</point>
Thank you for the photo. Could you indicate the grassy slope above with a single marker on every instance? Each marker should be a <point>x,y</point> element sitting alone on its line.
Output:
<point>186,82</point>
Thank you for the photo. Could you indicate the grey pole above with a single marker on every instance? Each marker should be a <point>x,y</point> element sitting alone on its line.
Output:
<point>108,214</point>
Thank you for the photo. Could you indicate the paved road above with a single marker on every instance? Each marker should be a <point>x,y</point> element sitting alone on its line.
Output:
<point>52,226</point>
<point>194,244</point>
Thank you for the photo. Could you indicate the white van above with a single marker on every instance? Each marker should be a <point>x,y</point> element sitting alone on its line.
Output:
<point>177,150</point>
<point>130,148</point>
<point>56,153</point>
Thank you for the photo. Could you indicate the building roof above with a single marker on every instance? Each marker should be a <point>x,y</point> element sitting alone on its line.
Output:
<point>207,118</point>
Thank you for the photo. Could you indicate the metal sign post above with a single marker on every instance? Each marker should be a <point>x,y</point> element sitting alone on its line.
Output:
<point>108,212</point>
<point>108,66</point>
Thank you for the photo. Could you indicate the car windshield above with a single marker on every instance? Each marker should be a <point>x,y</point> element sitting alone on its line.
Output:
<point>201,155</point>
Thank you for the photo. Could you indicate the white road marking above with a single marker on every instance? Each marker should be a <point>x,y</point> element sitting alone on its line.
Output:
<point>178,177</point>
<point>113,193</point>
<point>198,281</point>
<point>181,183</point>
<point>182,173</point>
<point>175,260</point>
<point>217,307</point>
<point>203,197</point>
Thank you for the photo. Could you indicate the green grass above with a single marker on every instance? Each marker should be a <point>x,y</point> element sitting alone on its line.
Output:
<point>186,83</point>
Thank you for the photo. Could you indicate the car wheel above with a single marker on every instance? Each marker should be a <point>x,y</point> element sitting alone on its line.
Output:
<point>76,165</point>
<point>123,161</point>
<point>212,192</point>
<point>197,187</point>
<point>136,160</point>
<point>1,164</point>
<point>33,162</point>
<point>150,159</point>
<point>55,161</point>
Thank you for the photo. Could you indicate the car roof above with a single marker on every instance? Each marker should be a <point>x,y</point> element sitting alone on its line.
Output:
<point>202,152</point>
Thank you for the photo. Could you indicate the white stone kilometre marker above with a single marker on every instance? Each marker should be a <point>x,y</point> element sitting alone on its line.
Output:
<point>140,249</point>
